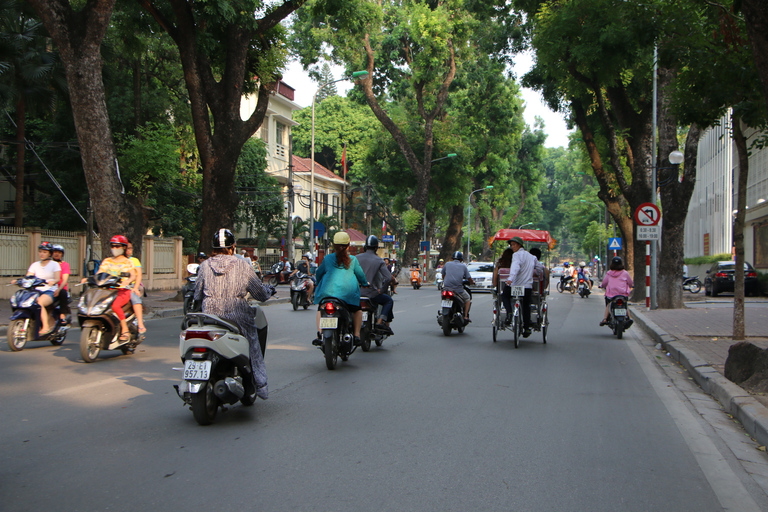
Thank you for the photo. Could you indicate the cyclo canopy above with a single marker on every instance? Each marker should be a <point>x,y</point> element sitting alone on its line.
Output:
<point>528,235</point>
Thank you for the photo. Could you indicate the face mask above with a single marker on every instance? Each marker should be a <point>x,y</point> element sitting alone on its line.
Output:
<point>117,251</point>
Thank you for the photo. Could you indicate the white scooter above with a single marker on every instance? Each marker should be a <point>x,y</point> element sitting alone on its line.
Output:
<point>217,366</point>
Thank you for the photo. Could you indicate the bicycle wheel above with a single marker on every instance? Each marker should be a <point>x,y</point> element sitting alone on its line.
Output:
<point>516,327</point>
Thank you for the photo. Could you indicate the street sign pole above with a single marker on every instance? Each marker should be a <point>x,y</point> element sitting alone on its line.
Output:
<point>647,217</point>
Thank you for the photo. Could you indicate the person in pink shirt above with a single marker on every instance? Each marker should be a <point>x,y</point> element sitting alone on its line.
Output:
<point>63,292</point>
<point>617,281</point>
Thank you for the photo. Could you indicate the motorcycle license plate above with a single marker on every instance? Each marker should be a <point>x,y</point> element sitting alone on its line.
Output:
<point>619,312</point>
<point>197,370</point>
<point>446,303</point>
<point>365,316</point>
<point>329,323</point>
<point>516,291</point>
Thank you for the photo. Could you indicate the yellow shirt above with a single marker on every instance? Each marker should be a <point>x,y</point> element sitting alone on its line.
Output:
<point>121,269</point>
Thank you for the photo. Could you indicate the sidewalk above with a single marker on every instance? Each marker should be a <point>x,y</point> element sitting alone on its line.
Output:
<point>698,337</point>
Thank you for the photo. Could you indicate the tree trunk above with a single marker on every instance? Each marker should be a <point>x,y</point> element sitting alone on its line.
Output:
<point>21,113</point>
<point>78,36</point>
<point>738,228</point>
<point>756,17</point>
<point>452,241</point>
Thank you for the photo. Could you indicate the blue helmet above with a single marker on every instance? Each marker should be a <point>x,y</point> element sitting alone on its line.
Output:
<point>458,256</point>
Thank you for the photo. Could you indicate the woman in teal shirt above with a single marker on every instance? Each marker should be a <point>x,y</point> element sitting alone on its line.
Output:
<point>340,276</point>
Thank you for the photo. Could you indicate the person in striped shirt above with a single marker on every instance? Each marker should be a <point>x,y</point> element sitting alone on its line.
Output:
<point>521,274</point>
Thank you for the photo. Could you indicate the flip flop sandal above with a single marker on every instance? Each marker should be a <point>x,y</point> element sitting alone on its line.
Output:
<point>126,336</point>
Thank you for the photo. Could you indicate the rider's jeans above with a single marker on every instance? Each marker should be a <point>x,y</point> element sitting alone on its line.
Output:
<point>387,303</point>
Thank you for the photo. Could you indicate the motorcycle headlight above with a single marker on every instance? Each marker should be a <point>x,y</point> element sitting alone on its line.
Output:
<point>27,303</point>
<point>81,306</point>
<point>102,306</point>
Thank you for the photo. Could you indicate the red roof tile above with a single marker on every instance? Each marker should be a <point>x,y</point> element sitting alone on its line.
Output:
<point>301,164</point>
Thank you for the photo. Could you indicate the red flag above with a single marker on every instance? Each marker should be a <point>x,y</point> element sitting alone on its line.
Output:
<point>344,161</point>
<point>384,227</point>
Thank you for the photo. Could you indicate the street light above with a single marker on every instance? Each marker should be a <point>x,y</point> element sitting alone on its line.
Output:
<point>600,231</point>
<point>469,216</point>
<point>526,224</point>
<point>355,75</point>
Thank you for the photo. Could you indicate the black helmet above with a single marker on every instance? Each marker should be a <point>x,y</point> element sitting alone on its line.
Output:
<point>46,246</point>
<point>202,255</point>
<point>371,242</point>
<point>617,260</point>
<point>223,239</point>
<point>58,247</point>
<point>458,256</point>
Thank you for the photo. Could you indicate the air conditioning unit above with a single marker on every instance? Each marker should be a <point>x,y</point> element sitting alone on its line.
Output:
<point>272,251</point>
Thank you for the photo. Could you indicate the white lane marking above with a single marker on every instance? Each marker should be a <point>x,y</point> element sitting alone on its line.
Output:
<point>730,492</point>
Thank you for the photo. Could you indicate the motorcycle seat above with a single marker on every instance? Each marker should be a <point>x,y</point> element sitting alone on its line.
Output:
<point>201,319</point>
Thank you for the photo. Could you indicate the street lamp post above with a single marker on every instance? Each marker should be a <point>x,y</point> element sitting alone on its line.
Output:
<point>355,75</point>
<point>526,224</point>
<point>469,216</point>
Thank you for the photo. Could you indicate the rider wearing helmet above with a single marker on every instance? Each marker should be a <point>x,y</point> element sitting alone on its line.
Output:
<point>223,282</point>
<point>617,281</point>
<point>120,265</point>
<point>201,257</point>
<point>50,271</point>
<point>62,293</point>
<point>340,276</point>
<point>377,273</point>
<point>454,274</point>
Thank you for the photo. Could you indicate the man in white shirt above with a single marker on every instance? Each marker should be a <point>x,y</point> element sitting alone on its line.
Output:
<point>521,274</point>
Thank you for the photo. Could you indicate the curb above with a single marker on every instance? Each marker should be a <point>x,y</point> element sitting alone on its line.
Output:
<point>735,400</point>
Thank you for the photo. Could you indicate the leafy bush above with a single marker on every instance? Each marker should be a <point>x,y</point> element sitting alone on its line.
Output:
<point>703,260</point>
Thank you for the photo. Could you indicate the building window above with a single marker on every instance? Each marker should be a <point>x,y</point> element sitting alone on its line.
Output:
<point>280,134</point>
<point>264,130</point>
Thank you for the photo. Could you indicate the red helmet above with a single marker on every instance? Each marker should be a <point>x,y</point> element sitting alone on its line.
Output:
<point>119,239</point>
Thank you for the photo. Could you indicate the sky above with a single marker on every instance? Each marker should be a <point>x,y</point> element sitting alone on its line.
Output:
<point>554,123</point>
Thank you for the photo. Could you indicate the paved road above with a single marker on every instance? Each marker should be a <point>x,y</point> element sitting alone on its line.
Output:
<point>427,422</point>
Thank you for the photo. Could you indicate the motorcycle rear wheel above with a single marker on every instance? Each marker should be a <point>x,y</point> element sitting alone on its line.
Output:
<point>695,286</point>
<point>295,301</point>
<point>90,343</point>
<point>17,338</point>
<point>331,351</point>
<point>365,337</point>
<point>272,280</point>
<point>204,405</point>
<point>186,305</point>
<point>618,330</point>
<point>446,325</point>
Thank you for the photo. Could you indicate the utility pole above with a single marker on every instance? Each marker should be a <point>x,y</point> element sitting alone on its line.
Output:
<point>289,227</point>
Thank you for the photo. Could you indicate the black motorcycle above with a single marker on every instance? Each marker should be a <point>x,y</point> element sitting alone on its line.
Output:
<point>300,290</point>
<point>369,331</point>
<point>583,288</point>
<point>188,290</point>
<point>25,322</point>
<point>336,331</point>
<point>692,284</point>
<point>619,320</point>
<point>451,313</point>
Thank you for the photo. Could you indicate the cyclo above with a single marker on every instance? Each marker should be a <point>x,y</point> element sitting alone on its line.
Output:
<point>539,306</point>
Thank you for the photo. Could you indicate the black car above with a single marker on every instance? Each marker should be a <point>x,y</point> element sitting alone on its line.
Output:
<point>720,279</point>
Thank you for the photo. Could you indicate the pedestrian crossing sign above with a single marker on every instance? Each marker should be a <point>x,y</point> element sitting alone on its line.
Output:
<point>614,244</point>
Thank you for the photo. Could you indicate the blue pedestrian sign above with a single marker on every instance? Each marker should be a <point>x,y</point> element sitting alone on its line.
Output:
<point>614,244</point>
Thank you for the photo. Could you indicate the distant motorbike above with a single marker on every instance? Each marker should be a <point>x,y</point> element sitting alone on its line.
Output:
<point>300,290</point>
<point>368,331</point>
<point>416,278</point>
<point>277,275</point>
<point>439,280</point>
<point>217,366</point>
<point>99,326</point>
<point>336,331</point>
<point>566,285</point>
<point>618,319</point>
<point>583,288</point>
<point>692,284</point>
<point>188,290</point>
<point>25,322</point>
<point>451,313</point>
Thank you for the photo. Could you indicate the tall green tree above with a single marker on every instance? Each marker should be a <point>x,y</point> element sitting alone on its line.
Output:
<point>227,50</point>
<point>326,77</point>
<point>411,51</point>
<point>30,76</point>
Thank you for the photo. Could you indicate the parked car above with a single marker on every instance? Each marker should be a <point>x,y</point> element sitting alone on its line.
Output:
<point>558,271</point>
<point>482,274</point>
<point>720,279</point>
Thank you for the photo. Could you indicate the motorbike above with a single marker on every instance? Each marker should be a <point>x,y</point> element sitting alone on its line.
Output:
<point>25,322</point>
<point>217,366</point>
<point>416,278</point>
<point>277,275</point>
<point>618,320</point>
<point>566,285</point>
<point>692,284</point>
<point>439,280</point>
<point>336,331</point>
<point>300,290</point>
<point>99,325</point>
<point>451,313</point>
<point>368,331</point>
<point>188,290</point>
<point>583,288</point>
